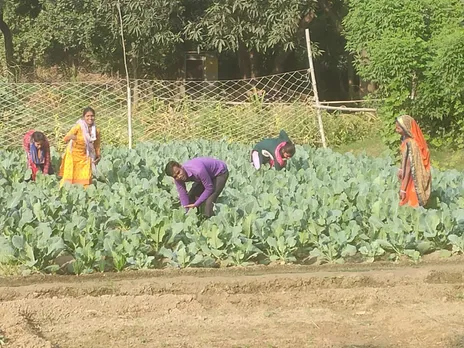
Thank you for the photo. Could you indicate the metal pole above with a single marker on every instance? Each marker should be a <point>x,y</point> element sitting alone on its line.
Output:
<point>129,99</point>
<point>314,84</point>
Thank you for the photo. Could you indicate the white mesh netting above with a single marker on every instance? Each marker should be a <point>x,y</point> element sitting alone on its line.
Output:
<point>236,110</point>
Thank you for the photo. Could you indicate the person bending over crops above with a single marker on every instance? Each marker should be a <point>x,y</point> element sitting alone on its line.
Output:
<point>83,151</point>
<point>38,153</point>
<point>275,151</point>
<point>209,177</point>
<point>414,174</point>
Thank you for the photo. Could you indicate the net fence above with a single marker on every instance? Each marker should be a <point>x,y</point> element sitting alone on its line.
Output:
<point>54,108</point>
<point>234,110</point>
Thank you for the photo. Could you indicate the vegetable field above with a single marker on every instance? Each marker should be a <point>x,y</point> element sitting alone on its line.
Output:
<point>326,208</point>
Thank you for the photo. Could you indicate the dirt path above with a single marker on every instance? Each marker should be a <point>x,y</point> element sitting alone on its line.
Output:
<point>258,307</point>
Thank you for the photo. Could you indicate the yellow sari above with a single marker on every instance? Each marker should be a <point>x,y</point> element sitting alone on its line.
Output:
<point>76,165</point>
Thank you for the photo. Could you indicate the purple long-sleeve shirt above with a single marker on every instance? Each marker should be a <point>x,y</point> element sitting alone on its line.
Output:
<point>200,169</point>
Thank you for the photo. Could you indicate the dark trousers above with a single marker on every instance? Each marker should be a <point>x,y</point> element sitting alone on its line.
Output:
<point>40,167</point>
<point>197,189</point>
<point>50,169</point>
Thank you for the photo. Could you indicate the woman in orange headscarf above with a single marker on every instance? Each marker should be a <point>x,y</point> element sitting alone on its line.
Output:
<point>414,174</point>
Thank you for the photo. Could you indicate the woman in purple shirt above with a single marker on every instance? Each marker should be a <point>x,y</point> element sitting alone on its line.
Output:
<point>209,177</point>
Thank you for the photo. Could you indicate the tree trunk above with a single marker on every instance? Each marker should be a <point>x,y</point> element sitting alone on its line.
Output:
<point>364,86</point>
<point>8,37</point>
<point>279,61</point>
<point>333,14</point>
<point>244,61</point>
<point>342,84</point>
<point>282,56</point>
<point>253,64</point>
<point>351,79</point>
<point>75,67</point>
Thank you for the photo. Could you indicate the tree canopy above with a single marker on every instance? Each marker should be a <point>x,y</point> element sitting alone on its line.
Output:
<point>261,35</point>
<point>411,51</point>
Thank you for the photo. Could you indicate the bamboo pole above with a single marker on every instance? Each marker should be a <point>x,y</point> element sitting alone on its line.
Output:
<point>314,86</point>
<point>129,99</point>
<point>348,101</point>
<point>341,108</point>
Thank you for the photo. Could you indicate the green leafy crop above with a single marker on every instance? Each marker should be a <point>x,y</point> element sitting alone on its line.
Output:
<point>325,206</point>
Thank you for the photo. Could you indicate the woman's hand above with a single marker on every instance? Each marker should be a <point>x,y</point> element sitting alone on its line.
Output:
<point>96,160</point>
<point>402,195</point>
<point>71,137</point>
<point>400,174</point>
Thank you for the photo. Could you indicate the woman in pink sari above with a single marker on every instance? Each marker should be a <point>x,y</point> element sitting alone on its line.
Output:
<point>38,152</point>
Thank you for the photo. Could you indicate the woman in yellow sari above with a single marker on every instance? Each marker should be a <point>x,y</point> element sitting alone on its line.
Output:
<point>82,152</point>
<point>414,174</point>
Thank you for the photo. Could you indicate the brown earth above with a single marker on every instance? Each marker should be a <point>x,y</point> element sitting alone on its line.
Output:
<point>346,306</point>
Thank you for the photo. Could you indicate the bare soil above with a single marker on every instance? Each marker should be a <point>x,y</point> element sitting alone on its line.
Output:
<point>346,306</point>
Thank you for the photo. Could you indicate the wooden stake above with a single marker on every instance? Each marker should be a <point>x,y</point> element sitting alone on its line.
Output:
<point>341,108</point>
<point>129,99</point>
<point>314,85</point>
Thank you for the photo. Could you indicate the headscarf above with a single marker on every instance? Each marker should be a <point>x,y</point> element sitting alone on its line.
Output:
<point>419,157</point>
<point>35,154</point>
<point>278,156</point>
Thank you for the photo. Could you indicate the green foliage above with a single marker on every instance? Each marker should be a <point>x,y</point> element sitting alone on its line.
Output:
<point>343,129</point>
<point>413,51</point>
<point>59,39</point>
<point>86,33</point>
<point>394,71</point>
<point>254,24</point>
<point>442,90</point>
<point>326,205</point>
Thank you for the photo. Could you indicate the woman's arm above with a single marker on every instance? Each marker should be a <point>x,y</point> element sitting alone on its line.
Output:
<point>406,176</point>
<point>97,147</point>
<point>72,134</point>
<point>406,167</point>
<point>97,144</point>
<point>47,158</point>
<point>27,148</point>
<point>277,165</point>
<point>404,158</point>
<point>27,142</point>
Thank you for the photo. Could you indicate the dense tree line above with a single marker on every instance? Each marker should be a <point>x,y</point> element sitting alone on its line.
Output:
<point>250,37</point>
<point>414,52</point>
<point>410,53</point>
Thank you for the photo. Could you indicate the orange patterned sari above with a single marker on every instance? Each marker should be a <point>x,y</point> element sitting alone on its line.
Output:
<point>416,156</point>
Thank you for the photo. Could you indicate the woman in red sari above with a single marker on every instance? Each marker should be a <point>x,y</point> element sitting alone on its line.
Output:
<point>414,174</point>
<point>38,152</point>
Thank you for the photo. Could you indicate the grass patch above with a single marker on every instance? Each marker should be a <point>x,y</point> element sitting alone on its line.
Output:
<point>447,159</point>
<point>373,147</point>
<point>442,159</point>
<point>3,340</point>
<point>10,270</point>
